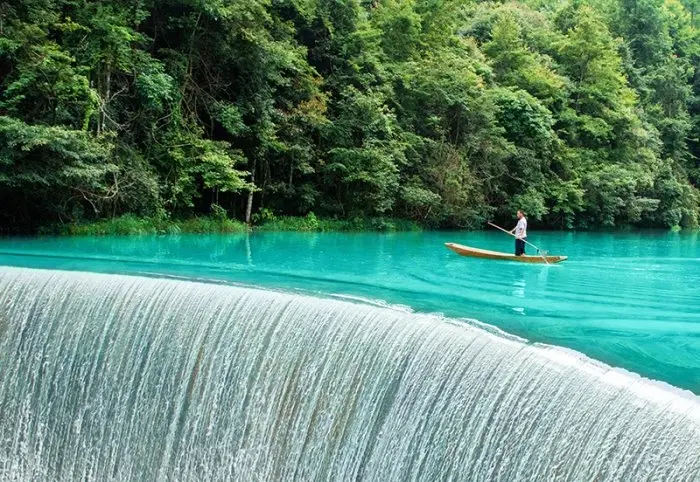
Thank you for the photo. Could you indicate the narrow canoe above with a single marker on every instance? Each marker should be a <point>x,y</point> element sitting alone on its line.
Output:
<point>484,253</point>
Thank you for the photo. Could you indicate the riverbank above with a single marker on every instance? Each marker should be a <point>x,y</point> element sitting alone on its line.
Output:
<point>132,225</point>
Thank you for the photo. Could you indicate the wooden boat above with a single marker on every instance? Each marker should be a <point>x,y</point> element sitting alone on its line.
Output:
<point>484,253</point>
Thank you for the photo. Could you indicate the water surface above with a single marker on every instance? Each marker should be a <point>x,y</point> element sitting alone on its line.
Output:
<point>109,377</point>
<point>630,300</point>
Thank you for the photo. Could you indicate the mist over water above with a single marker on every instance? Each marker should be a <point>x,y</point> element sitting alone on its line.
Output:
<point>107,377</point>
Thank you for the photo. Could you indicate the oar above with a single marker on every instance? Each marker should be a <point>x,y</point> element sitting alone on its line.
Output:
<point>541,252</point>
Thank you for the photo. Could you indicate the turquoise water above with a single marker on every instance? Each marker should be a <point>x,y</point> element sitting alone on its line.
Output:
<point>630,300</point>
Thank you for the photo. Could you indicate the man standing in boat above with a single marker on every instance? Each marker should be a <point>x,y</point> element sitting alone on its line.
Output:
<point>520,232</point>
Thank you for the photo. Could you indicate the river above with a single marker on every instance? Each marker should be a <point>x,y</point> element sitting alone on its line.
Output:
<point>628,300</point>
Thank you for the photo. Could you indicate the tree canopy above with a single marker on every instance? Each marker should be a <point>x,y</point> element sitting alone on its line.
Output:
<point>583,113</point>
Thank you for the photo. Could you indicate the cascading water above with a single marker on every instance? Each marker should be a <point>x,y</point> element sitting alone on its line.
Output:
<point>123,378</point>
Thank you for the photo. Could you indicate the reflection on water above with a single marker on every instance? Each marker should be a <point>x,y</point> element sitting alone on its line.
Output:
<point>519,286</point>
<point>627,299</point>
<point>519,290</point>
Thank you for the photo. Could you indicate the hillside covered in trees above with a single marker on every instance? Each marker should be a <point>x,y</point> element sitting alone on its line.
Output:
<point>447,112</point>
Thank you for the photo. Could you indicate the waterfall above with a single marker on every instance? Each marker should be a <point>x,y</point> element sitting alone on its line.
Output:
<point>106,377</point>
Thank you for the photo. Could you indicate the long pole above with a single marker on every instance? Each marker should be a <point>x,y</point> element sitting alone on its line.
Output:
<point>539,251</point>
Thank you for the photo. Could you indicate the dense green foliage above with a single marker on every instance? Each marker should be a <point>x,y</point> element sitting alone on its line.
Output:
<point>128,224</point>
<point>584,113</point>
<point>314,224</point>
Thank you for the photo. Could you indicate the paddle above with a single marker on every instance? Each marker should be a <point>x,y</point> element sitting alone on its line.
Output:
<point>541,252</point>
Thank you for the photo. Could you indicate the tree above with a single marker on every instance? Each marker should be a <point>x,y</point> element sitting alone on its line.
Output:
<point>449,112</point>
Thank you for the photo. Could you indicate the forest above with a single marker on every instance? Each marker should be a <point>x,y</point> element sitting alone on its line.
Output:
<point>448,113</point>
